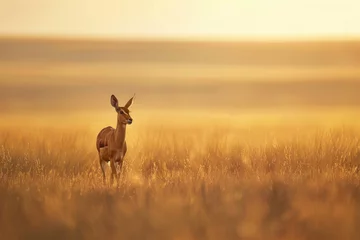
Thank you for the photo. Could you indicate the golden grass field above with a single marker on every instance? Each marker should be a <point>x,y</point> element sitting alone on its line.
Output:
<point>202,179</point>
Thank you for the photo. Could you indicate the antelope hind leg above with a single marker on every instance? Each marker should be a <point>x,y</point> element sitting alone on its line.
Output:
<point>102,165</point>
<point>103,158</point>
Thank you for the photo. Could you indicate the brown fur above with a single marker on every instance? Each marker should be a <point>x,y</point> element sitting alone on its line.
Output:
<point>110,142</point>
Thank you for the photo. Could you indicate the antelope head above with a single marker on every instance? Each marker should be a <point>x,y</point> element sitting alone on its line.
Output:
<point>123,113</point>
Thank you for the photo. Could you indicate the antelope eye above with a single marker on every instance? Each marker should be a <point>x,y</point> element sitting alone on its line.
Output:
<point>121,112</point>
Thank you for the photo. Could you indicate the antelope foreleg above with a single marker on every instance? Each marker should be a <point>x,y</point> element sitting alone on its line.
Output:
<point>120,169</point>
<point>113,170</point>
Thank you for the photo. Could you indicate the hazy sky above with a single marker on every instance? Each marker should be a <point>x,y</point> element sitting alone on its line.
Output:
<point>182,18</point>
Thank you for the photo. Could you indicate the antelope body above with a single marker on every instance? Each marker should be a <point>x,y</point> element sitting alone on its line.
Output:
<point>110,142</point>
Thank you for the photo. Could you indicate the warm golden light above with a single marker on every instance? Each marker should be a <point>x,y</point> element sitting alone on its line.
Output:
<point>182,19</point>
<point>243,138</point>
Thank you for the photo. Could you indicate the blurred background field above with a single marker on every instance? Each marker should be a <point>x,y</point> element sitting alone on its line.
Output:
<point>78,75</point>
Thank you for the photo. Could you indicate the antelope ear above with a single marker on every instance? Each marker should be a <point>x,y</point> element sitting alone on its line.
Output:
<point>114,101</point>
<point>130,102</point>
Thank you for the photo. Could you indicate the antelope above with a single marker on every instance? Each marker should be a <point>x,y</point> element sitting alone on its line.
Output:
<point>110,142</point>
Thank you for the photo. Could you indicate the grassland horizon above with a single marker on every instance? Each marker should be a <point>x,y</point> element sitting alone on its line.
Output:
<point>38,75</point>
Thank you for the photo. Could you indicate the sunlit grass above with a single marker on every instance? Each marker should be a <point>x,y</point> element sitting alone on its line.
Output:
<point>183,181</point>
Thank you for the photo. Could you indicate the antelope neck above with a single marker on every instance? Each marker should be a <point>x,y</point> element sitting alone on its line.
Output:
<point>120,132</point>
